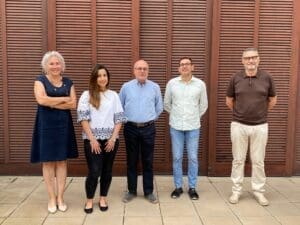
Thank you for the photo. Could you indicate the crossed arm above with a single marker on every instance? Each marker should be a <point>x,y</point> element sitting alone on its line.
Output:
<point>68,102</point>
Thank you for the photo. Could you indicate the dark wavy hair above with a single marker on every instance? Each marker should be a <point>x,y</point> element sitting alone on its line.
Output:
<point>94,88</point>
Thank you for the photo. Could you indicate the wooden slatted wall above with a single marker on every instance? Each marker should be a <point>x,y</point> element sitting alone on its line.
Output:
<point>73,41</point>
<point>113,33</point>
<point>236,33</point>
<point>24,51</point>
<point>153,42</point>
<point>296,168</point>
<point>189,38</point>
<point>275,45</point>
<point>267,25</point>
<point>114,49</point>
<point>1,92</point>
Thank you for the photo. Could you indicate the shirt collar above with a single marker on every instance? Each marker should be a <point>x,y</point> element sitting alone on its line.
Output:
<point>256,76</point>
<point>193,79</point>
<point>140,84</point>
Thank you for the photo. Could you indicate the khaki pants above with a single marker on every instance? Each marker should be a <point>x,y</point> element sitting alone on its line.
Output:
<point>241,136</point>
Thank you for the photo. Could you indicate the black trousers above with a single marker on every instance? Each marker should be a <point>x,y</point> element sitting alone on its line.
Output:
<point>99,165</point>
<point>139,140</point>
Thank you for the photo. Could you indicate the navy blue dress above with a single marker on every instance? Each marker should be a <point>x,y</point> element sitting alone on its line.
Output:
<point>54,136</point>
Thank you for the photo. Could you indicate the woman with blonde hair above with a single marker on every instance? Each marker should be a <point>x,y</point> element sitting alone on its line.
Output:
<point>53,140</point>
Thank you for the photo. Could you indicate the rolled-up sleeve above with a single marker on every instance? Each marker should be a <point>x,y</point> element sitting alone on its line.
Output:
<point>203,100</point>
<point>167,98</point>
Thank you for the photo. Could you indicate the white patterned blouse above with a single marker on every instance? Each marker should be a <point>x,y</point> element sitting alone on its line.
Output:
<point>103,119</point>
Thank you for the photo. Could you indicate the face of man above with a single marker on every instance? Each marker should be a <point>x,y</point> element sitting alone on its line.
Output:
<point>250,61</point>
<point>141,70</point>
<point>185,68</point>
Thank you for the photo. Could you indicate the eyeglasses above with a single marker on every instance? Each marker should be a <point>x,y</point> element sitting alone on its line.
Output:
<point>141,68</point>
<point>185,64</point>
<point>251,57</point>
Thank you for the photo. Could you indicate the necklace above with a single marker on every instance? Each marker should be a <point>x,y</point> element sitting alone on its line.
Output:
<point>57,82</point>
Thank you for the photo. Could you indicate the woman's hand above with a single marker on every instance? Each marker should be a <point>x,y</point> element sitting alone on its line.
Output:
<point>95,146</point>
<point>110,144</point>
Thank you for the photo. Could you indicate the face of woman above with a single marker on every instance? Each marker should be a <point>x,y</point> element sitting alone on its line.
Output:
<point>102,79</point>
<point>54,66</point>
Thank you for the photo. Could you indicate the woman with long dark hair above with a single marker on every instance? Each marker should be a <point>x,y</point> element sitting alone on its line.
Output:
<point>101,116</point>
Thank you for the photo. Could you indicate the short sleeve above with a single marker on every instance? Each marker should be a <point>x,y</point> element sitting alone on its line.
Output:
<point>230,89</point>
<point>119,116</point>
<point>272,90</point>
<point>83,109</point>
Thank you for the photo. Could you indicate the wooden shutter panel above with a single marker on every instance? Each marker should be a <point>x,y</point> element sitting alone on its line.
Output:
<point>236,33</point>
<point>244,24</point>
<point>189,38</point>
<point>275,46</point>
<point>1,93</point>
<point>73,41</point>
<point>24,52</point>
<point>114,50</point>
<point>297,137</point>
<point>153,42</point>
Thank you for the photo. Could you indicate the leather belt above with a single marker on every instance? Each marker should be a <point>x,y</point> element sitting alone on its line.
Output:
<point>141,125</point>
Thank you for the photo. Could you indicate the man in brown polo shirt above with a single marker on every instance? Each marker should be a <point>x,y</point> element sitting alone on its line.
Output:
<point>250,95</point>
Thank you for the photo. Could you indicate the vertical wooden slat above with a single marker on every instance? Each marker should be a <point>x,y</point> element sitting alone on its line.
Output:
<point>293,146</point>
<point>4,136</point>
<point>276,17</point>
<point>118,48</point>
<point>51,25</point>
<point>153,48</point>
<point>135,27</point>
<point>24,52</point>
<point>94,30</point>
<point>75,40</point>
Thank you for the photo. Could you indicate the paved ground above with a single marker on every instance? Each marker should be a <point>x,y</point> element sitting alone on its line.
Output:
<point>23,200</point>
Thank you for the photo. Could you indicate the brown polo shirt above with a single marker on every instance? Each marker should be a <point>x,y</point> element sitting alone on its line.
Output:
<point>251,96</point>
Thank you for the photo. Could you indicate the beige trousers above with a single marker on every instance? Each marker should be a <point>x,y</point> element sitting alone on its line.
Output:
<point>256,137</point>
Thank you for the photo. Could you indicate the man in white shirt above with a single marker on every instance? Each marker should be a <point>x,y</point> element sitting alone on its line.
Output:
<point>186,101</point>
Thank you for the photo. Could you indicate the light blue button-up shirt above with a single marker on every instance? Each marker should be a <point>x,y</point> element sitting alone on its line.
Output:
<point>186,102</point>
<point>141,102</point>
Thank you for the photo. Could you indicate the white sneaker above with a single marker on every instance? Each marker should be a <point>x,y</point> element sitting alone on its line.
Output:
<point>234,198</point>
<point>261,198</point>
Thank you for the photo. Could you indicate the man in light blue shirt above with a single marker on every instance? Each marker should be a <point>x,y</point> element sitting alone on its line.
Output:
<point>142,103</point>
<point>185,101</point>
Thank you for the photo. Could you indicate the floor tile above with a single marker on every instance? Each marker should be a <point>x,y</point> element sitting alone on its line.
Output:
<point>249,208</point>
<point>63,221</point>
<point>213,208</point>
<point>175,209</point>
<point>143,220</point>
<point>23,221</point>
<point>109,220</point>
<point>182,220</point>
<point>231,220</point>
<point>289,220</point>
<point>31,210</point>
<point>266,220</point>
<point>283,209</point>
<point>7,209</point>
<point>141,207</point>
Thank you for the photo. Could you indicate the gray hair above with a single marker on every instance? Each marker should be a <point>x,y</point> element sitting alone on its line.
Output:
<point>49,55</point>
<point>250,49</point>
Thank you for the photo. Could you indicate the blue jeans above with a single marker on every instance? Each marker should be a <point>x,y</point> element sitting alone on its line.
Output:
<point>191,139</point>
